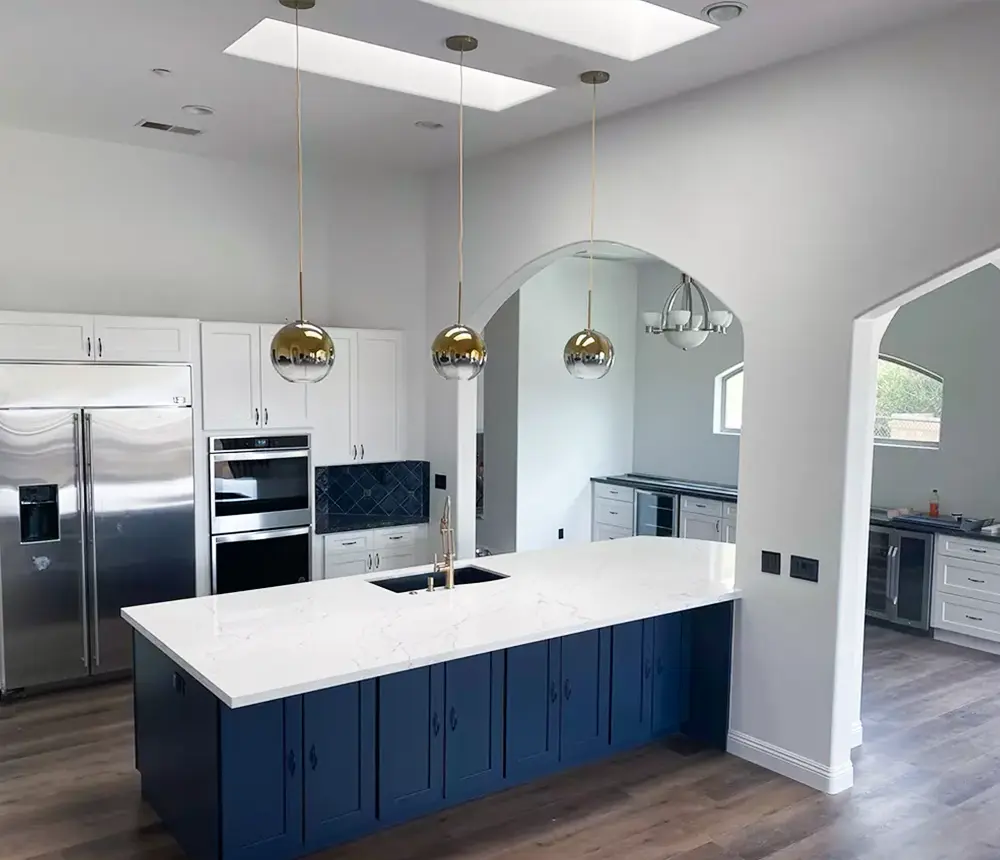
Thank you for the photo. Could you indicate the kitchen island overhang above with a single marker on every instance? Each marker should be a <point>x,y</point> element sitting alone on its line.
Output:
<point>275,723</point>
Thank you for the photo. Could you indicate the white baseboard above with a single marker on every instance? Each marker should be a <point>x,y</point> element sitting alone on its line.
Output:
<point>792,765</point>
<point>857,734</point>
<point>966,641</point>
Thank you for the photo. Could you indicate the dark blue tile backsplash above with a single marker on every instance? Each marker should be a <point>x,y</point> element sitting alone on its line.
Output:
<point>372,495</point>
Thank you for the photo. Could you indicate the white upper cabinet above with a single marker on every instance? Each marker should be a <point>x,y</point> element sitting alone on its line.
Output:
<point>144,339</point>
<point>380,395</point>
<point>230,376</point>
<point>333,405</point>
<point>82,337</point>
<point>283,403</point>
<point>46,337</point>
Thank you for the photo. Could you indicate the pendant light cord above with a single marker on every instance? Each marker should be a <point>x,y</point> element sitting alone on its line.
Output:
<point>298,134</point>
<point>461,180</point>
<point>593,205</point>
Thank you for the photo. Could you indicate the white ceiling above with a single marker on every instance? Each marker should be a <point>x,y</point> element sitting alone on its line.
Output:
<point>81,67</point>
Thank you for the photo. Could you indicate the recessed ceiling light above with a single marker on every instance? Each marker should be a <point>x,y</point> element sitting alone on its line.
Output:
<point>428,124</point>
<point>722,13</point>
<point>375,66</point>
<point>627,29</point>
<point>198,110</point>
<point>161,73</point>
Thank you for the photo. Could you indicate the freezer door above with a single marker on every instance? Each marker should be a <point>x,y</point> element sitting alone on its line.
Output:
<point>43,608</point>
<point>140,487</point>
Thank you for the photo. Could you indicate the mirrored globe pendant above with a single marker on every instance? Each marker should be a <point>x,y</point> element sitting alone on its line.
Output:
<point>588,355</point>
<point>458,353</point>
<point>302,352</point>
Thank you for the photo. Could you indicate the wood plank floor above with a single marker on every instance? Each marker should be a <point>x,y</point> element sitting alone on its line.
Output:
<point>927,786</point>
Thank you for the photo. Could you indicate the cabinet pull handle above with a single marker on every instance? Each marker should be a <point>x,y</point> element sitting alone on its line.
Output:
<point>362,450</point>
<point>435,724</point>
<point>647,669</point>
<point>291,762</point>
<point>974,549</point>
<point>369,561</point>
<point>567,689</point>
<point>354,454</point>
<point>313,758</point>
<point>178,683</point>
<point>613,513</point>
<point>553,692</point>
<point>699,506</point>
<point>378,560</point>
<point>88,346</point>
<point>717,526</point>
<point>453,719</point>
<point>256,416</point>
<point>100,348</point>
<point>980,581</point>
<point>395,537</point>
<point>265,415</point>
<point>973,618</point>
<point>349,543</point>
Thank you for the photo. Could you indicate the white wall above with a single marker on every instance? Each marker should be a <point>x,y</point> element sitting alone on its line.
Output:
<point>497,530</point>
<point>104,228</point>
<point>805,195</point>
<point>953,332</point>
<point>570,429</point>
<point>675,392</point>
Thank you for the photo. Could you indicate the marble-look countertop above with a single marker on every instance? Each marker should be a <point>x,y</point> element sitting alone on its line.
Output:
<point>256,646</point>
<point>681,486</point>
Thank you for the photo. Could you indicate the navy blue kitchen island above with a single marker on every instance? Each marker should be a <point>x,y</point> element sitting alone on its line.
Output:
<point>284,778</point>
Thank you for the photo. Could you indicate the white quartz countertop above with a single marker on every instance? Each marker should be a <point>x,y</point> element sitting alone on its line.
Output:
<point>256,646</point>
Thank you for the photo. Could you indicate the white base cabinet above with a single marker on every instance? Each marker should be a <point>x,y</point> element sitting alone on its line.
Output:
<point>84,337</point>
<point>707,519</point>
<point>612,512</point>
<point>966,593</point>
<point>374,551</point>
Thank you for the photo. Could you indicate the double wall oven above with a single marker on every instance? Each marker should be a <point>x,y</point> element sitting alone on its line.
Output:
<point>261,512</point>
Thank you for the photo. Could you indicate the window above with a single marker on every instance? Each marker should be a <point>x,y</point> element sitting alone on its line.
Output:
<point>907,406</point>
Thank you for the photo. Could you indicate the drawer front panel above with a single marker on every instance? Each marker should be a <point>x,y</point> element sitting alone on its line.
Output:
<point>614,492</point>
<point>348,542</point>
<point>708,507</point>
<point>971,617</point>
<point>972,549</point>
<point>969,578</point>
<point>614,513</point>
<point>393,538</point>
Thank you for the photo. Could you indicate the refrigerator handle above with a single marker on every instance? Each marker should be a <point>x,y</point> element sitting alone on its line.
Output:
<point>78,478</point>
<point>91,528</point>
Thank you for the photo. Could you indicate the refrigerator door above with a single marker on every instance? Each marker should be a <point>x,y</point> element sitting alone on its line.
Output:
<point>140,488</point>
<point>43,610</point>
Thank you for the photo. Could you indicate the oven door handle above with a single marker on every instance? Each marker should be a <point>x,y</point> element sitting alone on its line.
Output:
<point>239,537</point>
<point>275,454</point>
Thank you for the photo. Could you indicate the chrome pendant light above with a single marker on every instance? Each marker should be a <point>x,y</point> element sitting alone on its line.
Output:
<point>588,354</point>
<point>679,323</point>
<point>301,351</point>
<point>459,351</point>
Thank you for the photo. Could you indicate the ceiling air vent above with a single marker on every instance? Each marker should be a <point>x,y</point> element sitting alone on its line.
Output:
<point>165,126</point>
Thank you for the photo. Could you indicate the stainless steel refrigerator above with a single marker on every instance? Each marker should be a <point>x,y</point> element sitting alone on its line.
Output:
<point>96,512</point>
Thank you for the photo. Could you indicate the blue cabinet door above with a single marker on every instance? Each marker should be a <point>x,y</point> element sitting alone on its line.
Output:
<point>706,649</point>
<point>339,763</point>
<point>411,743</point>
<point>586,693</point>
<point>631,684</point>
<point>260,755</point>
<point>473,744</point>
<point>531,710</point>
<point>670,687</point>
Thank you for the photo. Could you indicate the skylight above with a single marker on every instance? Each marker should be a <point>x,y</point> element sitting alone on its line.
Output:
<point>627,29</point>
<point>321,53</point>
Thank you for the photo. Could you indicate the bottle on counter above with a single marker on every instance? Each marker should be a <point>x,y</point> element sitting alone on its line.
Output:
<point>935,508</point>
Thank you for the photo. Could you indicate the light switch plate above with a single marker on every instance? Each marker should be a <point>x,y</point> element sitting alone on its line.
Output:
<point>804,568</point>
<point>770,562</point>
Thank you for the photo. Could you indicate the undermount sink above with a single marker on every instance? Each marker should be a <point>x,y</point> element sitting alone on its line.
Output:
<point>418,581</point>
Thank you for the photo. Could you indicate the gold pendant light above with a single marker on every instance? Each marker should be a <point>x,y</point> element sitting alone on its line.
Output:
<point>301,351</point>
<point>588,354</point>
<point>458,351</point>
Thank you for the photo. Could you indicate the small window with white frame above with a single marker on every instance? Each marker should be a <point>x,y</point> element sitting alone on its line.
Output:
<point>908,403</point>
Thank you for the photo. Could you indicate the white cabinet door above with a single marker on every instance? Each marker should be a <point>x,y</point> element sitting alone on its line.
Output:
<point>729,531</point>
<point>46,337</point>
<point>700,527</point>
<point>394,559</point>
<point>230,376</point>
<point>332,405</point>
<point>282,403</point>
<point>379,395</point>
<point>602,531</point>
<point>145,339</point>
<point>348,564</point>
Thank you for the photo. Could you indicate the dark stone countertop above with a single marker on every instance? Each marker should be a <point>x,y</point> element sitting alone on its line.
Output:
<point>727,493</point>
<point>333,523</point>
